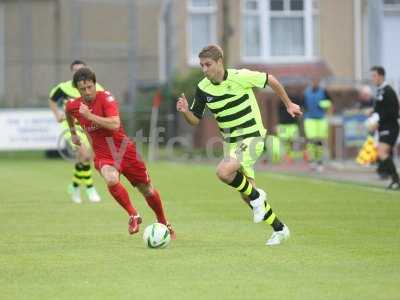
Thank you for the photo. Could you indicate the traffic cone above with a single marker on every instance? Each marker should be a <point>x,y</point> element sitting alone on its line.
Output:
<point>368,152</point>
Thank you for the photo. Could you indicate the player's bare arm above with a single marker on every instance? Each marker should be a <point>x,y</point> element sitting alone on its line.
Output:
<point>111,123</point>
<point>60,116</point>
<point>292,108</point>
<point>183,107</point>
<point>71,124</point>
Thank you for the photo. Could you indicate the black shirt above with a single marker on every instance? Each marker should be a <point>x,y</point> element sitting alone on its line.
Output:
<point>387,107</point>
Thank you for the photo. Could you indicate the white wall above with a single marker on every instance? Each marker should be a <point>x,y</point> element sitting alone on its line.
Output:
<point>391,47</point>
<point>2,47</point>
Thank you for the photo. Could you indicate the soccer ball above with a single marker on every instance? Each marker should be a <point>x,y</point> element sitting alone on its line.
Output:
<point>156,236</point>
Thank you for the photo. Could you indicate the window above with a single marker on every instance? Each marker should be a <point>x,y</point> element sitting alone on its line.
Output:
<point>297,5</point>
<point>201,26</point>
<point>276,5</point>
<point>280,29</point>
<point>287,33</point>
<point>252,33</point>
<point>391,2</point>
<point>390,43</point>
<point>315,27</point>
<point>391,6</point>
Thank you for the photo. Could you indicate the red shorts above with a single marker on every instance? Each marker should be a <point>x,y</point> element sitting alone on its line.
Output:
<point>131,166</point>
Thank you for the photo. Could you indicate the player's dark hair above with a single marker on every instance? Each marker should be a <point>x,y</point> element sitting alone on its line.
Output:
<point>212,51</point>
<point>379,69</point>
<point>77,62</point>
<point>83,74</point>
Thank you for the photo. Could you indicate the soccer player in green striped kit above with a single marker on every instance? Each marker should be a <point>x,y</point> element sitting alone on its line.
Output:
<point>228,94</point>
<point>82,173</point>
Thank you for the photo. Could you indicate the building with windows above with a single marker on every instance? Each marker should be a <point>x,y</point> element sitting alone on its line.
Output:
<point>135,44</point>
<point>347,36</point>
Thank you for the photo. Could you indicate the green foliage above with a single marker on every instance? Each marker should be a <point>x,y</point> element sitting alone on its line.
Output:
<point>185,83</point>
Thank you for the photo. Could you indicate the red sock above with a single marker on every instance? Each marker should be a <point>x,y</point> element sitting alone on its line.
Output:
<point>155,203</point>
<point>121,195</point>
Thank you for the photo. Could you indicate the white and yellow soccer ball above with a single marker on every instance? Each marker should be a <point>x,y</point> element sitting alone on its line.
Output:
<point>156,235</point>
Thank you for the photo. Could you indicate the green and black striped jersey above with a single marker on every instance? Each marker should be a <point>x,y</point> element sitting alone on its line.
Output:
<point>233,103</point>
<point>65,91</point>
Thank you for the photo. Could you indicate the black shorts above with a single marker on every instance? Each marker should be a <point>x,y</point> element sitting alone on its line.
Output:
<point>389,135</point>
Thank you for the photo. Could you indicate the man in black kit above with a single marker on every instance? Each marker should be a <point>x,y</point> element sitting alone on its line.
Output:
<point>385,120</point>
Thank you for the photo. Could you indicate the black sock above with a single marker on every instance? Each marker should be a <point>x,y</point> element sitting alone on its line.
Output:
<point>87,175</point>
<point>241,184</point>
<point>389,166</point>
<point>77,178</point>
<point>277,225</point>
<point>271,219</point>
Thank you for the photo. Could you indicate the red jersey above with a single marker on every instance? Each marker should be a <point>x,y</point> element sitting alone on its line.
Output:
<point>104,142</point>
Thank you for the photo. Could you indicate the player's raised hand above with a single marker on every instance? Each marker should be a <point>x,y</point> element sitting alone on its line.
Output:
<point>294,110</point>
<point>75,139</point>
<point>84,110</point>
<point>182,104</point>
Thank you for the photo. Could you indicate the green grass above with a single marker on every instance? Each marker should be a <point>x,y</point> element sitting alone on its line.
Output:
<point>345,239</point>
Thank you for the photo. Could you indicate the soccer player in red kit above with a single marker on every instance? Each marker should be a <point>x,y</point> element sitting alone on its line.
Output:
<point>114,152</point>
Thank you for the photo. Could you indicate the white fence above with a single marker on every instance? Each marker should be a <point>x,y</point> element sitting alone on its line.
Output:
<point>28,129</point>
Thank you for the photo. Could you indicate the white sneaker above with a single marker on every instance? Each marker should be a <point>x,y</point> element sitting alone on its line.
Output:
<point>75,194</point>
<point>258,206</point>
<point>278,237</point>
<point>92,194</point>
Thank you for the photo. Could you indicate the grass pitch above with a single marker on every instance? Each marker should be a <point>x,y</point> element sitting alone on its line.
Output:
<point>345,240</point>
